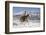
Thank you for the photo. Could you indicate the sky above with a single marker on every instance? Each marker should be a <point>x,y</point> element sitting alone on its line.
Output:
<point>28,9</point>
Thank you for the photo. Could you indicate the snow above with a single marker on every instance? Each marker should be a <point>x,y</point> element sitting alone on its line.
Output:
<point>30,23</point>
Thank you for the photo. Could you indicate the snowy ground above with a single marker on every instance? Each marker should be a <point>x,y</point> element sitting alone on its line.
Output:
<point>31,23</point>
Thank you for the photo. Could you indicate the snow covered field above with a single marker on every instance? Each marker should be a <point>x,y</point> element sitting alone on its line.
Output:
<point>31,23</point>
